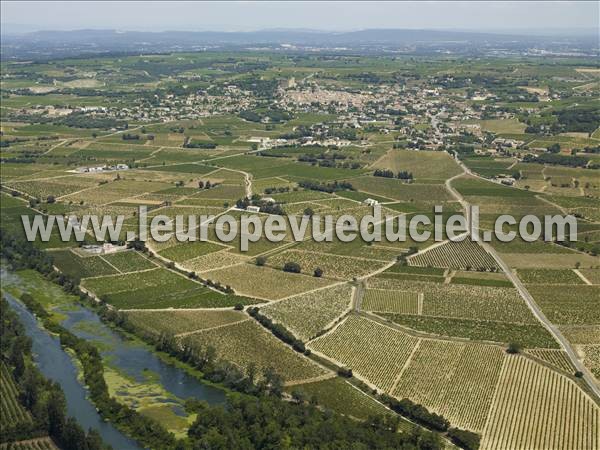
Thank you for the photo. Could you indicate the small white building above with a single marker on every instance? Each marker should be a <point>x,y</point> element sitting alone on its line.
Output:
<point>253,209</point>
<point>370,202</point>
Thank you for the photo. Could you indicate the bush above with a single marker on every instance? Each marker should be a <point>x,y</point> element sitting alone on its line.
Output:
<point>345,372</point>
<point>261,260</point>
<point>464,439</point>
<point>318,272</point>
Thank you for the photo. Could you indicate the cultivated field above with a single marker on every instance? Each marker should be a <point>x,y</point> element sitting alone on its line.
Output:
<point>373,351</point>
<point>537,408</point>
<point>307,314</point>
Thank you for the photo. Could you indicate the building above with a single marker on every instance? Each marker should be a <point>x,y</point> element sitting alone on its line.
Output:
<point>253,209</point>
<point>370,202</point>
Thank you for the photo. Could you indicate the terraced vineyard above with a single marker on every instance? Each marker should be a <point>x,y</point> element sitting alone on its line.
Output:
<point>453,379</point>
<point>457,255</point>
<point>13,414</point>
<point>373,351</point>
<point>536,408</point>
<point>383,300</point>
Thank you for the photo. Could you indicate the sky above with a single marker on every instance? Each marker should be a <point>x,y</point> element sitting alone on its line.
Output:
<point>333,16</point>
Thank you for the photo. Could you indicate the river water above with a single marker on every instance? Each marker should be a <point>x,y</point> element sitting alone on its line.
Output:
<point>130,358</point>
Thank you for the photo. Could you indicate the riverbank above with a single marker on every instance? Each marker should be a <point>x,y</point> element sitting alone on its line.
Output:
<point>133,374</point>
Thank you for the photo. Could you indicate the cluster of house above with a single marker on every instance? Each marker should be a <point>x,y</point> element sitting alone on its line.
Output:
<point>104,249</point>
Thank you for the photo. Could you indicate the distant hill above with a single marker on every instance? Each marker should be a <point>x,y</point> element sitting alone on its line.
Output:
<point>44,44</point>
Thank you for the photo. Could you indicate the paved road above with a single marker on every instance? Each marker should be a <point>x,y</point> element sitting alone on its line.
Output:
<point>537,312</point>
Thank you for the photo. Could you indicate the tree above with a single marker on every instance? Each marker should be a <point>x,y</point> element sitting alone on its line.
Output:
<point>292,267</point>
<point>318,272</point>
<point>554,148</point>
<point>50,199</point>
<point>513,348</point>
<point>309,212</point>
<point>261,260</point>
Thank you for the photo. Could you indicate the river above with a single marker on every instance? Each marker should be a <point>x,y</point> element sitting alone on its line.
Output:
<point>132,361</point>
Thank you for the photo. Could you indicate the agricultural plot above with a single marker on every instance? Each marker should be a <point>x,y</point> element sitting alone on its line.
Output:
<point>77,267</point>
<point>462,300</point>
<point>391,301</point>
<point>428,166</point>
<point>537,408</point>
<point>157,288</point>
<point>14,414</point>
<point>30,444</point>
<point>457,255</point>
<point>528,335</point>
<point>177,322</point>
<point>592,275</point>
<point>212,261</point>
<point>338,267</point>
<point>373,351</point>
<point>307,314</point>
<point>340,396</point>
<point>549,276</point>
<point>264,282</point>
<point>489,167</point>
<point>556,358</point>
<point>129,261</point>
<point>247,343</point>
<point>453,379</point>
<point>591,358</point>
<point>190,250</point>
<point>568,304</point>
<point>398,190</point>
<point>58,187</point>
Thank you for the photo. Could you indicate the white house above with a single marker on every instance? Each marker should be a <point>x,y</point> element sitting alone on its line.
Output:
<point>370,202</point>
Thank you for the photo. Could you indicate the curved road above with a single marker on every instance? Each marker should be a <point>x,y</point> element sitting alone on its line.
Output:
<point>535,309</point>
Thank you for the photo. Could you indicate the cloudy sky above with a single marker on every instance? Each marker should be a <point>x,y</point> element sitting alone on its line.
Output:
<point>243,16</point>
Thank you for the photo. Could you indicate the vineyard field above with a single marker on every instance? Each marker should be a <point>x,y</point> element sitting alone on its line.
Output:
<point>557,358</point>
<point>30,444</point>
<point>535,408</point>
<point>176,322</point>
<point>388,301</point>
<point>307,314</point>
<point>13,413</point>
<point>340,396</point>
<point>248,343</point>
<point>457,255</point>
<point>463,300</point>
<point>371,350</point>
<point>453,379</point>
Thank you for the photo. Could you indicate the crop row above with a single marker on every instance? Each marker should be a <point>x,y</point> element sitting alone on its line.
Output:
<point>176,322</point>
<point>453,379</point>
<point>374,351</point>
<point>247,343</point>
<point>463,300</point>
<point>457,255</point>
<point>12,411</point>
<point>307,314</point>
<point>537,408</point>
<point>391,301</point>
